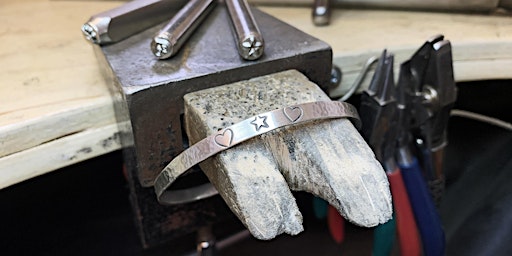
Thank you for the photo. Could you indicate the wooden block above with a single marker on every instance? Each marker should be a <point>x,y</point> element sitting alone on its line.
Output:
<point>327,158</point>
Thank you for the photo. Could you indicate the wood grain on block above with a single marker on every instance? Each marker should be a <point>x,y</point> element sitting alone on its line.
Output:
<point>327,158</point>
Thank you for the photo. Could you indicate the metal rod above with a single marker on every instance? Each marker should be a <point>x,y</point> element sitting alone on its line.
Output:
<point>121,22</point>
<point>171,37</point>
<point>206,242</point>
<point>321,12</point>
<point>248,37</point>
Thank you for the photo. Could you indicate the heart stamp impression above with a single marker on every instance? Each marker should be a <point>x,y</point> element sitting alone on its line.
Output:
<point>293,113</point>
<point>225,139</point>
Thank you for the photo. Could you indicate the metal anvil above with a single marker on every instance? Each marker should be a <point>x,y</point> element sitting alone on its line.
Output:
<point>149,94</point>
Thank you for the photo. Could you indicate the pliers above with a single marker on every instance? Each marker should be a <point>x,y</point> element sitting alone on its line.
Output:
<point>431,94</point>
<point>379,117</point>
<point>426,94</point>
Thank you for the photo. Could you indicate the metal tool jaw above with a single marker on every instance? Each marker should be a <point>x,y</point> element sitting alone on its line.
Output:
<point>432,91</point>
<point>378,110</point>
<point>426,94</point>
<point>149,92</point>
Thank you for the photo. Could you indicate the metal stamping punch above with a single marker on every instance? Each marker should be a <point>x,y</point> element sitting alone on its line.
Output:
<point>126,20</point>
<point>171,37</point>
<point>116,24</point>
<point>248,37</point>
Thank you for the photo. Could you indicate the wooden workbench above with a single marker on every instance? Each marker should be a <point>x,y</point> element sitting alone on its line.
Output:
<point>56,110</point>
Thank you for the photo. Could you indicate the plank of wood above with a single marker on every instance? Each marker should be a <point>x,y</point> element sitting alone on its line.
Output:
<point>51,84</point>
<point>59,153</point>
<point>328,158</point>
<point>65,118</point>
<point>54,101</point>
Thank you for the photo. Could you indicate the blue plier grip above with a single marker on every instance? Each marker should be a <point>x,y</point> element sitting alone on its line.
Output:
<point>427,218</point>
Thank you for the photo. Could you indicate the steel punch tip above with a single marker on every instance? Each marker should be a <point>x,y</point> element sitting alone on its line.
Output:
<point>249,40</point>
<point>172,36</point>
<point>161,46</point>
<point>90,33</point>
<point>96,30</point>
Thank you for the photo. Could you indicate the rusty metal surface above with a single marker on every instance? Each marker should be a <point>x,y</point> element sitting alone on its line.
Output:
<point>151,90</point>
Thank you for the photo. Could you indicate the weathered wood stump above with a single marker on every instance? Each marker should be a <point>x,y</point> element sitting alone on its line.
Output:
<point>327,158</point>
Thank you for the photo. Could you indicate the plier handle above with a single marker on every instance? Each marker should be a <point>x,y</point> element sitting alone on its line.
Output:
<point>379,117</point>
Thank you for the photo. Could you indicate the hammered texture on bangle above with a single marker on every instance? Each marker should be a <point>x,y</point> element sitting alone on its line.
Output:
<point>246,129</point>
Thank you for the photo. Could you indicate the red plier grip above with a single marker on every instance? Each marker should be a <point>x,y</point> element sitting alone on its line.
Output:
<point>405,223</point>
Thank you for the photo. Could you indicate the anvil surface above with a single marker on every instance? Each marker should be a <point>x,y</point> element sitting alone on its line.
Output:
<point>151,90</point>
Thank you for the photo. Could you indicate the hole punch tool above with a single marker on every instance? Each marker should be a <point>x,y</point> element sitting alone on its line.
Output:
<point>379,118</point>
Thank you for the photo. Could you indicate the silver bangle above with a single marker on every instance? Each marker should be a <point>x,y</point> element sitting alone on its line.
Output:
<point>242,131</point>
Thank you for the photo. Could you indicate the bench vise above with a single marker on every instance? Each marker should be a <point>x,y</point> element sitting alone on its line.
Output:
<point>149,105</point>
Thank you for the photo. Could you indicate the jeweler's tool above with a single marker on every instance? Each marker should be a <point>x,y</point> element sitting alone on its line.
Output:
<point>429,223</point>
<point>321,15</point>
<point>144,85</point>
<point>379,119</point>
<point>171,37</point>
<point>121,22</point>
<point>427,218</point>
<point>336,225</point>
<point>359,80</point>
<point>432,95</point>
<point>320,207</point>
<point>335,222</point>
<point>249,40</point>
<point>384,238</point>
